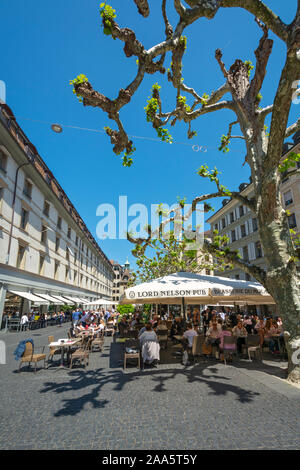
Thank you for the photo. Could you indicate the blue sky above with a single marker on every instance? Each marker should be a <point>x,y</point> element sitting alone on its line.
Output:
<point>47,43</point>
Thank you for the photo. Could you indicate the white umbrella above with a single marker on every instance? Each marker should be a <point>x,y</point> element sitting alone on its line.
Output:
<point>196,289</point>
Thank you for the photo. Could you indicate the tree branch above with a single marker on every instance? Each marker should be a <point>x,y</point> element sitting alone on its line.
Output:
<point>292,129</point>
<point>261,11</point>
<point>232,257</point>
<point>262,55</point>
<point>168,29</point>
<point>143,7</point>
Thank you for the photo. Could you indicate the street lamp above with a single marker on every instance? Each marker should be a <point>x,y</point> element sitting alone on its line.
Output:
<point>56,128</point>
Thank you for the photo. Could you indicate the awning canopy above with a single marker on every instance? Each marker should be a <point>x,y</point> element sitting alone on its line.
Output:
<point>28,296</point>
<point>77,300</point>
<point>51,299</point>
<point>62,299</point>
<point>195,289</point>
<point>101,302</point>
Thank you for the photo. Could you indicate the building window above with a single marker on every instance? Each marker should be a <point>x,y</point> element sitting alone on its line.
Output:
<point>247,277</point>
<point>46,209</point>
<point>241,211</point>
<point>67,254</point>
<point>254,225</point>
<point>42,265</point>
<point>1,196</point>
<point>233,236</point>
<point>288,198</point>
<point>245,253</point>
<point>76,240</point>
<point>24,219</point>
<point>59,222</point>
<point>292,221</point>
<point>237,276</point>
<point>21,257</point>
<point>3,161</point>
<point>231,215</point>
<point>75,257</point>
<point>27,190</point>
<point>243,230</point>
<point>44,234</point>
<point>69,232</point>
<point>258,250</point>
<point>67,273</point>
<point>75,277</point>
<point>57,243</point>
<point>223,223</point>
<point>56,266</point>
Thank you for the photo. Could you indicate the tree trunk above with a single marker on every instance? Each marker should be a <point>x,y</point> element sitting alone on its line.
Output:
<point>283,276</point>
<point>286,293</point>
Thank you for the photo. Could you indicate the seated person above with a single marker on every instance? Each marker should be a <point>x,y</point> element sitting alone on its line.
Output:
<point>248,324</point>
<point>162,326</point>
<point>149,346</point>
<point>213,334</point>
<point>189,335</point>
<point>271,331</point>
<point>240,332</point>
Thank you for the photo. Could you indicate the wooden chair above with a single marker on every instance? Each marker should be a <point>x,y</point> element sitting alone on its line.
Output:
<point>253,345</point>
<point>162,336</point>
<point>82,353</point>
<point>29,356</point>
<point>132,334</point>
<point>53,349</point>
<point>98,341</point>
<point>132,344</point>
<point>196,349</point>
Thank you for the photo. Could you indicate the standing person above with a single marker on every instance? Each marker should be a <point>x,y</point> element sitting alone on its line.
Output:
<point>206,320</point>
<point>75,317</point>
<point>24,322</point>
<point>61,318</point>
<point>189,335</point>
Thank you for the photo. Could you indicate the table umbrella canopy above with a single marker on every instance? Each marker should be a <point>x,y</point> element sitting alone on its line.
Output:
<point>197,289</point>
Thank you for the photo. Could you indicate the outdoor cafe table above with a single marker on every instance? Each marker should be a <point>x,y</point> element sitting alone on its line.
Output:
<point>63,344</point>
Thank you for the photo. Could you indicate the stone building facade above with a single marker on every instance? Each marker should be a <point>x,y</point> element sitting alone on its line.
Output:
<point>45,246</point>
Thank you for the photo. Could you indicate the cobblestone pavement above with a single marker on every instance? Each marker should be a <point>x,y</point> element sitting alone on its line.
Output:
<point>206,406</point>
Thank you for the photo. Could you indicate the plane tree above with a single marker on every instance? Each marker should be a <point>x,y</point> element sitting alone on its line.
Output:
<point>239,91</point>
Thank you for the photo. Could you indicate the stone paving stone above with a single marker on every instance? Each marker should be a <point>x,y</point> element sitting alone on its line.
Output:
<point>206,406</point>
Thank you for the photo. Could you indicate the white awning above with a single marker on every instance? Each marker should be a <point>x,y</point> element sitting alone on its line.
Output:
<point>76,299</point>
<point>28,296</point>
<point>51,299</point>
<point>101,302</point>
<point>62,299</point>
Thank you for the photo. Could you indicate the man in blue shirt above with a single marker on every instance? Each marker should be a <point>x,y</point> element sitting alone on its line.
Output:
<point>76,316</point>
<point>107,315</point>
